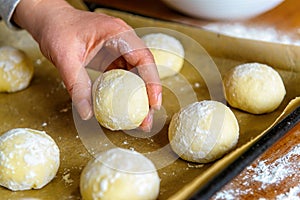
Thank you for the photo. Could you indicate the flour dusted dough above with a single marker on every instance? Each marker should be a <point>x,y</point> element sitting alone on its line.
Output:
<point>28,159</point>
<point>254,87</point>
<point>168,53</point>
<point>119,174</point>
<point>203,131</point>
<point>16,69</point>
<point>120,100</point>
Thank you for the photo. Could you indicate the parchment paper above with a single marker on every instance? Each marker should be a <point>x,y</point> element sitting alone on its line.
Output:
<point>45,105</point>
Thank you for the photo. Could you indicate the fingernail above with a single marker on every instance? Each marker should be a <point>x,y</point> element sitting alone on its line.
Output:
<point>147,129</point>
<point>84,109</point>
<point>149,122</point>
<point>158,102</point>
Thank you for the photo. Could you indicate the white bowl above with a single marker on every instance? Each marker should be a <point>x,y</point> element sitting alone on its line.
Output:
<point>222,9</point>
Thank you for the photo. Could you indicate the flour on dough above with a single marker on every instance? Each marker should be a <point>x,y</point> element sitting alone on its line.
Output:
<point>16,69</point>
<point>254,87</point>
<point>203,131</point>
<point>29,159</point>
<point>120,100</point>
<point>119,174</point>
<point>168,53</point>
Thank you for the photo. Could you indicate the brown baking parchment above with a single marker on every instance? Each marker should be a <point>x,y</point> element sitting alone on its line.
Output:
<point>45,105</point>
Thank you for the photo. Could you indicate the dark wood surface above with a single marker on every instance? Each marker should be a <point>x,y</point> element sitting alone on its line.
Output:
<point>274,175</point>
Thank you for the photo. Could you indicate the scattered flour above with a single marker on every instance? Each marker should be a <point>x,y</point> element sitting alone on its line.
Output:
<point>67,177</point>
<point>267,175</point>
<point>233,194</point>
<point>293,194</point>
<point>267,34</point>
<point>195,165</point>
<point>278,170</point>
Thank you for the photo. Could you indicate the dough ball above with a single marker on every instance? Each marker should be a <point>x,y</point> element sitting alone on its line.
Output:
<point>203,131</point>
<point>254,87</point>
<point>29,159</point>
<point>120,100</point>
<point>119,174</point>
<point>168,53</point>
<point>16,69</point>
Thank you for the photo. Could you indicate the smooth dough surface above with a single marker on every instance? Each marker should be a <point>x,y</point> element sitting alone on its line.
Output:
<point>119,174</point>
<point>29,159</point>
<point>16,69</point>
<point>254,87</point>
<point>120,100</point>
<point>168,53</point>
<point>203,131</point>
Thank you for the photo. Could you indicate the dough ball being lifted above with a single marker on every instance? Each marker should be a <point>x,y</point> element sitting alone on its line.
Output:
<point>255,88</point>
<point>203,131</point>
<point>168,53</point>
<point>119,174</point>
<point>29,159</point>
<point>16,69</point>
<point>120,100</point>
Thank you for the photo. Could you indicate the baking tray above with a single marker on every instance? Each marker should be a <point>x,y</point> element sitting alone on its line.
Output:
<point>45,105</point>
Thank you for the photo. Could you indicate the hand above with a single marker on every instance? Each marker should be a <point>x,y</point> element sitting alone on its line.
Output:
<point>70,38</point>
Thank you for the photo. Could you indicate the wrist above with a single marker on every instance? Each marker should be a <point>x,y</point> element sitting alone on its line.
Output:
<point>33,14</point>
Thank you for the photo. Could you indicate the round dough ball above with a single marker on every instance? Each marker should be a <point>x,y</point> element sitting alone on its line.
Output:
<point>119,174</point>
<point>254,87</point>
<point>16,69</point>
<point>168,53</point>
<point>120,100</point>
<point>28,159</point>
<point>203,131</point>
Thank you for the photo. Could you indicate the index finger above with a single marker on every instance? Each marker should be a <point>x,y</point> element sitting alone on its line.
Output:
<point>148,72</point>
<point>135,52</point>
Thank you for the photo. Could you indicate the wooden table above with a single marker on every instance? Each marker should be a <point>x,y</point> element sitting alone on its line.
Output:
<point>275,174</point>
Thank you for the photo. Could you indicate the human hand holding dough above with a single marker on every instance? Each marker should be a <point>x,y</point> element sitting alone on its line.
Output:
<point>120,100</point>
<point>70,38</point>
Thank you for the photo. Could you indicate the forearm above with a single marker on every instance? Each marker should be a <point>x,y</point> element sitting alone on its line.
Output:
<point>32,14</point>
